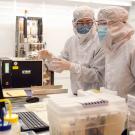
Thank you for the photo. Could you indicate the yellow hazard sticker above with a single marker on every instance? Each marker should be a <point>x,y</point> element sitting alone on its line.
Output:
<point>15,67</point>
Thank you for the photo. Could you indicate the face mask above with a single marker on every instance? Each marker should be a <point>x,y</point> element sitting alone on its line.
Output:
<point>102,32</point>
<point>83,28</point>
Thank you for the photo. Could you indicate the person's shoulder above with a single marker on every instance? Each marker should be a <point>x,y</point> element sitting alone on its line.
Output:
<point>131,45</point>
<point>71,40</point>
<point>73,37</point>
<point>96,41</point>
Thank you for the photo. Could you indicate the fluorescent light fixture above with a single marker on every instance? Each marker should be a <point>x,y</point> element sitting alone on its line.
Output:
<point>108,2</point>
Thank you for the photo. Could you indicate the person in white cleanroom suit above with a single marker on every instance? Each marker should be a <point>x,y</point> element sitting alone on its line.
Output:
<point>82,54</point>
<point>116,36</point>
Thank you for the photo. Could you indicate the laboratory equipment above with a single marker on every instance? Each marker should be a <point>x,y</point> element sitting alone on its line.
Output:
<point>21,73</point>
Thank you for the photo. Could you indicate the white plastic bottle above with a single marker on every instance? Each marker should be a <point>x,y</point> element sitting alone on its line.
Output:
<point>15,125</point>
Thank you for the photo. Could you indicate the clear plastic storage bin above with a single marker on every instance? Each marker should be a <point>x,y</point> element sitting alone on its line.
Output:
<point>89,114</point>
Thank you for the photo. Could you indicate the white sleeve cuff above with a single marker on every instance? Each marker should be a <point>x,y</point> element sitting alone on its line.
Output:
<point>75,68</point>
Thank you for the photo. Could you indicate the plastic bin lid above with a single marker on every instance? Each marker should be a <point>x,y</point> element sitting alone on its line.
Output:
<point>65,103</point>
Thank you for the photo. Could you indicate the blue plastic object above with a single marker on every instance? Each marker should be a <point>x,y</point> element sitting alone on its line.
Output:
<point>4,126</point>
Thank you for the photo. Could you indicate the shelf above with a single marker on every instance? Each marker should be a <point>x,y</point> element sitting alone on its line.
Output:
<point>31,43</point>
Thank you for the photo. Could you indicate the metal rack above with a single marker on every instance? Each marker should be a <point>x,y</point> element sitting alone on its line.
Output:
<point>29,35</point>
<point>29,40</point>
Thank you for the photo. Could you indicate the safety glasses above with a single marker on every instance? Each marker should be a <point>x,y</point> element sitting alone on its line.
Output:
<point>83,21</point>
<point>105,22</point>
<point>101,22</point>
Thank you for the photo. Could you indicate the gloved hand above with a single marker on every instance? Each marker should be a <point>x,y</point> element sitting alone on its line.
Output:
<point>44,54</point>
<point>61,64</point>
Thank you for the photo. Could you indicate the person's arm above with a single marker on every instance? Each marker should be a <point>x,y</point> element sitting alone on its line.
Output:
<point>63,58</point>
<point>95,72</point>
<point>132,69</point>
<point>132,62</point>
<point>65,52</point>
